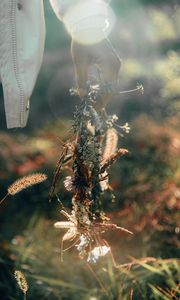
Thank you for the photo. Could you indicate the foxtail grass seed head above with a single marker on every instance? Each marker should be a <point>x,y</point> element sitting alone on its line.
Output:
<point>21,281</point>
<point>25,182</point>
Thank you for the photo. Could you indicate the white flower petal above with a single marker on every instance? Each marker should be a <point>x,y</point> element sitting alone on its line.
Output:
<point>100,251</point>
<point>97,252</point>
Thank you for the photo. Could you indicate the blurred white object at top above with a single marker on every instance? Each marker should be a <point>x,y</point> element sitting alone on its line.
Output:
<point>87,21</point>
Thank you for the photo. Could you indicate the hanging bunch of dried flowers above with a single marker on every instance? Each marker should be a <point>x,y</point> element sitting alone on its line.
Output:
<point>89,155</point>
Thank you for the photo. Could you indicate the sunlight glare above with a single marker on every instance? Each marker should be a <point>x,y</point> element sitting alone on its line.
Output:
<point>88,22</point>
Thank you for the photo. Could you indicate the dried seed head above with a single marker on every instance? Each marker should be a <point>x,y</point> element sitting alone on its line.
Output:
<point>111,143</point>
<point>21,281</point>
<point>126,127</point>
<point>25,182</point>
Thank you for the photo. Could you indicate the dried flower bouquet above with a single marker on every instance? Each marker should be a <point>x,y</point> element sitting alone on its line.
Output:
<point>89,155</point>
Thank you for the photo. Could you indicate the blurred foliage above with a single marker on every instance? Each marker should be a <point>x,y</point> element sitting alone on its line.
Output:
<point>169,70</point>
<point>162,26</point>
<point>145,183</point>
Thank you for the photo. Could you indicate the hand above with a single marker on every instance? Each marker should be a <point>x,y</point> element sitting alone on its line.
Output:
<point>107,60</point>
<point>89,23</point>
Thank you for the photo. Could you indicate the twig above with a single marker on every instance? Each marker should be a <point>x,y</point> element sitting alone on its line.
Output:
<point>98,280</point>
<point>4,198</point>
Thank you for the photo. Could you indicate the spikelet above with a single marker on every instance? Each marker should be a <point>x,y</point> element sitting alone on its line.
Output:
<point>110,149</point>
<point>25,182</point>
<point>111,143</point>
<point>21,281</point>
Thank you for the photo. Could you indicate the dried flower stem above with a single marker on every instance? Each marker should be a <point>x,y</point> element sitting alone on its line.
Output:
<point>131,294</point>
<point>107,226</point>
<point>57,171</point>
<point>138,88</point>
<point>87,222</point>
<point>2,200</point>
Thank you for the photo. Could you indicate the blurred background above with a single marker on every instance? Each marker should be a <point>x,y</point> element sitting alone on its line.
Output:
<point>146,183</point>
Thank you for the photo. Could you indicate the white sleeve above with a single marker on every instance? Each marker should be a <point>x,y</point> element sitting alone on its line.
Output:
<point>22,36</point>
<point>60,7</point>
